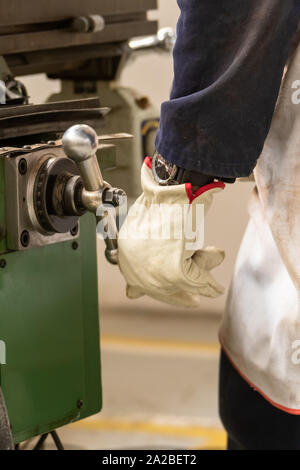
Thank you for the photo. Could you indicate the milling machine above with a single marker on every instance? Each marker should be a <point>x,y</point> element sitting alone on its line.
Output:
<point>49,192</point>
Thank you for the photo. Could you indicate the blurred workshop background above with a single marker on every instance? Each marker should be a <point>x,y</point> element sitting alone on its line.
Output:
<point>159,363</point>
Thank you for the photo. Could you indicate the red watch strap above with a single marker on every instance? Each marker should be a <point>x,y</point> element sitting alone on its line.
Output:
<point>193,195</point>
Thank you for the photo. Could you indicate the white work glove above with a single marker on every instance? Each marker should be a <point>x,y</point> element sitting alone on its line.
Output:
<point>160,259</point>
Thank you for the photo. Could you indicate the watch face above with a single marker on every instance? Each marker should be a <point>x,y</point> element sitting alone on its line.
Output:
<point>163,171</point>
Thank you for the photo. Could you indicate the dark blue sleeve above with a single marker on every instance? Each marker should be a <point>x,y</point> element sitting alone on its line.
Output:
<point>228,64</point>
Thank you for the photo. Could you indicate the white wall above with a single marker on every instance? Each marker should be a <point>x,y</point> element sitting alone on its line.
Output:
<point>226,222</point>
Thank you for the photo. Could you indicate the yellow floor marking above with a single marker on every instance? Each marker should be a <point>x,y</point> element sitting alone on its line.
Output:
<point>211,438</point>
<point>145,343</point>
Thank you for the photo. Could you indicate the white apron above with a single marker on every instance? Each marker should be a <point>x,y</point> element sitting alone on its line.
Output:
<point>260,332</point>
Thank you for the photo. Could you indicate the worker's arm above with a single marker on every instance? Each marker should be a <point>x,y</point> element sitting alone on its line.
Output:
<point>228,64</point>
<point>228,60</point>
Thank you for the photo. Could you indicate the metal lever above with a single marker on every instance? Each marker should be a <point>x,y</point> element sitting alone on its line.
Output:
<point>80,144</point>
<point>163,41</point>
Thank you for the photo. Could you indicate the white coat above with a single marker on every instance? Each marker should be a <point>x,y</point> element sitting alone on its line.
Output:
<point>261,328</point>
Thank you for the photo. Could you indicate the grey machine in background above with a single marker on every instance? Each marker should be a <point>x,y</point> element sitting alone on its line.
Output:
<point>86,45</point>
<point>131,111</point>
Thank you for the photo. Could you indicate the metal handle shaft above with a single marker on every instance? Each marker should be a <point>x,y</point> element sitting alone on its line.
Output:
<point>80,143</point>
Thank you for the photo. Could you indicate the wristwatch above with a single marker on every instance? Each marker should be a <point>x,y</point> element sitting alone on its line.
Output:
<point>166,173</point>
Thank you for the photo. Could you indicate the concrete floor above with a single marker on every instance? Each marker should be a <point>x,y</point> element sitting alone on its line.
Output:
<point>160,376</point>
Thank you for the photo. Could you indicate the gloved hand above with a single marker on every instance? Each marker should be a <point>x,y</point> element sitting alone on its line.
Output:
<point>164,260</point>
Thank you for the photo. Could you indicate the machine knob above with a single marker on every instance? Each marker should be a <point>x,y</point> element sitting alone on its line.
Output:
<point>88,24</point>
<point>80,144</point>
